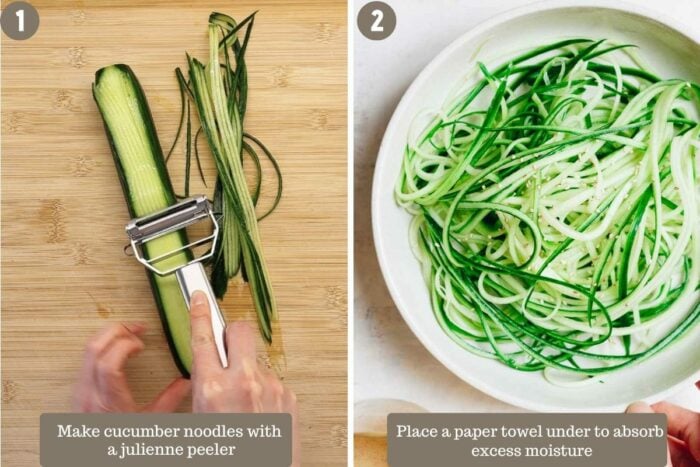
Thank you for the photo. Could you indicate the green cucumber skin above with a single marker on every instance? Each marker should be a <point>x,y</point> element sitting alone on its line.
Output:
<point>159,160</point>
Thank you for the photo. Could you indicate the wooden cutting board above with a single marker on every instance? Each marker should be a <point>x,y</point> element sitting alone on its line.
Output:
<point>64,275</point>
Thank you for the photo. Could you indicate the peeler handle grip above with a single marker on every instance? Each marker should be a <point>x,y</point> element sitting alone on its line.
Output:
<point>191,278</point>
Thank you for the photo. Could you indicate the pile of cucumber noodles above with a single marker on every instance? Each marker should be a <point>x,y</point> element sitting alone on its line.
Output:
<point>555,202</point>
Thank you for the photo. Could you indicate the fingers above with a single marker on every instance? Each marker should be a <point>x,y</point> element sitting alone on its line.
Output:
<point>680,456</point>
<point>171,397</point>
<point>683,425</point>
<point>110,364</point>
<point>639,407</point>
<point>249,385</point>
<point>113,392</point>
<point>273,398</point>
<point>108,351</point>
<point>99,345</point>
<point>104,338</point>
<point>240,341</point>
<point>681,422</point>
<point>205,357</point>
<point>643,407</point>
<point>101,379</point>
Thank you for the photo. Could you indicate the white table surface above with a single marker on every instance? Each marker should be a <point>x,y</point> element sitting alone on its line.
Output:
<point>389,361</point>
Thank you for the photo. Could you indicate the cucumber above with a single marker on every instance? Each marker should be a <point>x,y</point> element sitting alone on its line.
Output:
<point>144,178</point>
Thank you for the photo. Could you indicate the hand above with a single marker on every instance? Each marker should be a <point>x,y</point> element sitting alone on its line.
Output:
<point>683,431</point>
<point>244,386</point>
<point>102,385</point>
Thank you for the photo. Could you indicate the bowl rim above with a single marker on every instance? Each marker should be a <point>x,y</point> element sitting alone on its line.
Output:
<point>509,15</point>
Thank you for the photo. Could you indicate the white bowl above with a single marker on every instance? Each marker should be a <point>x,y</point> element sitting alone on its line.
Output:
<point>670,53</point>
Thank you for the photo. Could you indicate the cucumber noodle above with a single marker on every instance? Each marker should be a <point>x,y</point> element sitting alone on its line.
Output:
<point>555,209</point>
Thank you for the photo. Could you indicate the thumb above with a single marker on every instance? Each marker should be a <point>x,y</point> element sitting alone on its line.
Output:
<point>170,398</point>
<point>643,407</point>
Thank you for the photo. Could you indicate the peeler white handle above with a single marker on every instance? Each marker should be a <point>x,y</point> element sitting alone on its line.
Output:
<point>191,278</point>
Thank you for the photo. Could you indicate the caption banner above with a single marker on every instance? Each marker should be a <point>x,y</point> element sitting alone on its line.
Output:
<point>527,440</point>
<point>173,440</point>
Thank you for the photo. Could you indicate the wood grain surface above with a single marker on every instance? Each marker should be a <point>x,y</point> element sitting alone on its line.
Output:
<point>64,275</point>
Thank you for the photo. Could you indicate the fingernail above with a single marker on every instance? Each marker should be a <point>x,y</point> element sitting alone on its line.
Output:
<point>199,298</point>
<point>135,328</point>
<point>639,407</point>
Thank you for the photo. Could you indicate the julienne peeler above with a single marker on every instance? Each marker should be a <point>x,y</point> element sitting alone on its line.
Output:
<point>189,269</point>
